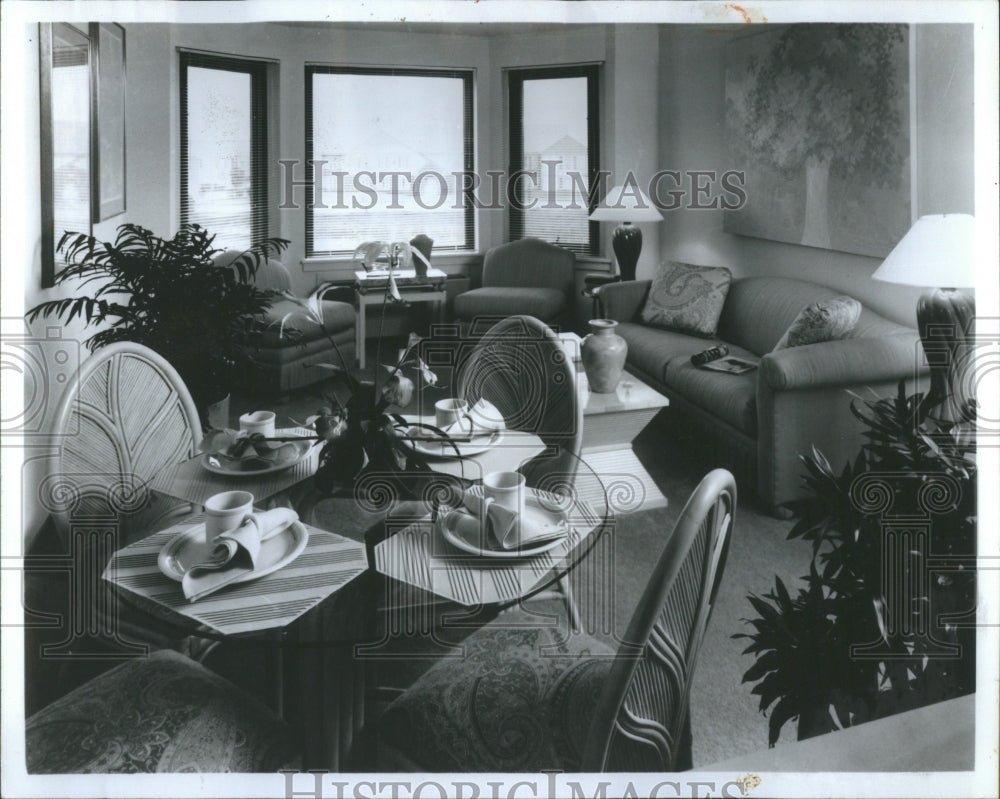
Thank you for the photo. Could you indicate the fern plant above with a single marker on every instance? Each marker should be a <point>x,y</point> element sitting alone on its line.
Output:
<point>845,649</point>
<point>168,295</point>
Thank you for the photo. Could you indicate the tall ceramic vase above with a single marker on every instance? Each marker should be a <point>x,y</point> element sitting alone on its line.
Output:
<point>603,353</point>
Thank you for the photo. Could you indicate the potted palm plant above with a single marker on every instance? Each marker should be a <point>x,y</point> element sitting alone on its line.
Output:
<point>850,646</point>
<point>168,295</point>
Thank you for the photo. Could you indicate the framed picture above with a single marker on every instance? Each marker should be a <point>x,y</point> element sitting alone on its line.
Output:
<point>65,60</point>
<point>818,118</point>
<point>108,137</point>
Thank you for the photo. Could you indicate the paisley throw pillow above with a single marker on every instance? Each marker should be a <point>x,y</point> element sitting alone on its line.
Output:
<point>825,320</point>
<point>687,298</point>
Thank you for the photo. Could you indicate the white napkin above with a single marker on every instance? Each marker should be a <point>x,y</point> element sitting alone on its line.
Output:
<point>501,524</point>
<point>483,417</point>
<point>235,553</point>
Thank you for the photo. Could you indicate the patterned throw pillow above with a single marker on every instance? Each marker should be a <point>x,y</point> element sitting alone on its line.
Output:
<point>826,320</point>
<point>687,298</point>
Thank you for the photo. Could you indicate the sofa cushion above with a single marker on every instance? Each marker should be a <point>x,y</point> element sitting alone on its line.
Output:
<point>650,349</point>
<point>824,320</point>
<point>730,397</point>
<point>542,303</point>
<point>687,298</point>
<point>759,310</point>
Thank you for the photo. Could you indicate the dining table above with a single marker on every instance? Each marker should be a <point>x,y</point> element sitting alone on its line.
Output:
<point>376,568</point>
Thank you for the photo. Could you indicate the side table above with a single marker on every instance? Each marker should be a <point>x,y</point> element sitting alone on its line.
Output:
<point>369,289</point>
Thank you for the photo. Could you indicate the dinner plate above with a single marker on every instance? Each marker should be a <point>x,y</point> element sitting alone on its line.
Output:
<point>189,548</point>
<point>538,513</point>
<point>466,449</point>
<point>254,465</point>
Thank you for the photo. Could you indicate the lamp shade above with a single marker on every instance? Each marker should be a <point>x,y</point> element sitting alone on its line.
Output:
<point>625,203</point>
<point>938,251</point>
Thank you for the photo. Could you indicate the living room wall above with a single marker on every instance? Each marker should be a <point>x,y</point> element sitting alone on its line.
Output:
<point>692,137</point>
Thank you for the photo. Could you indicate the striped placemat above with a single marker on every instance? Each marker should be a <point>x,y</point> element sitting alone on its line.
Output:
<point>192,482</point>
<point>418,555</point>
<point>328,562</point>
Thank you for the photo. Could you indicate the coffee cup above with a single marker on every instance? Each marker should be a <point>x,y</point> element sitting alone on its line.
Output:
<point>506,489</point>
<point>258,422</point>
<point>225,511</point>
<point>448,411</point>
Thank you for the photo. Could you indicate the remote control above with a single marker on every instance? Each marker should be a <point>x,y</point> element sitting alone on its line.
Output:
<point>709,355</point>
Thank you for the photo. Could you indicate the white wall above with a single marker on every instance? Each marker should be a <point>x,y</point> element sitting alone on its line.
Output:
<point>692,124</point>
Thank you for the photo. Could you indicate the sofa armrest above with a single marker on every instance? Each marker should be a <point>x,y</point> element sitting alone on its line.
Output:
<point>846,362</point>
<point>622,301</point>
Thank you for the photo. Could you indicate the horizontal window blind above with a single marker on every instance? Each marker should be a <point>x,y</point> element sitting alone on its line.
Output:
<point>224,147</point>
<point>388,149</point>
<point>554,151</point>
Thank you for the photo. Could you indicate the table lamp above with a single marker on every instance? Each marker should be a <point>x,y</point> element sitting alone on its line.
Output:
<point>938,252</point>
<point>626,203</point>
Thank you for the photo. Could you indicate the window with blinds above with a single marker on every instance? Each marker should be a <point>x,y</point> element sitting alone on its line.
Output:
<point>554,152</point>
<point>224,147</point>
<point>389,149</point>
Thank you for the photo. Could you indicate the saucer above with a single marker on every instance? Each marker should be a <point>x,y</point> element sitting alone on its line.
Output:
<point>189,548</point>
<point>539,516</point>
<point>478,444</point>
<point>255,465</point>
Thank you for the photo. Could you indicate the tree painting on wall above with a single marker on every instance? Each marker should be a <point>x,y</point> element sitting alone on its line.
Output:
<point>818,118</point>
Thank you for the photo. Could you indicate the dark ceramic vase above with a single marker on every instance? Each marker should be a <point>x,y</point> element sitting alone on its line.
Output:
<point>603,353</point>
<point>424,244</point>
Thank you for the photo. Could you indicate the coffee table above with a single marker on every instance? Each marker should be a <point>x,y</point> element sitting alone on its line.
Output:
<point>610,424</point>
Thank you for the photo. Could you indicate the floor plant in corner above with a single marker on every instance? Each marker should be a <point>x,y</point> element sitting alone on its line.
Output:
<point>884,621</point>
<point>169,295</point>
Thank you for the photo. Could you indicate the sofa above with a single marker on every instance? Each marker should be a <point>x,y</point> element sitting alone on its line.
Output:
<point>758,424</point>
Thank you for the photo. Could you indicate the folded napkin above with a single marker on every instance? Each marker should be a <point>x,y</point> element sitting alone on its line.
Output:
<point>483,417</point>
<point>501,524</point>
<point>235,553</point>
<point>503,527</point>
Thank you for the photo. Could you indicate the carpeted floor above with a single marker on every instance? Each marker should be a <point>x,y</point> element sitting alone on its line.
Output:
<point>725,719</point>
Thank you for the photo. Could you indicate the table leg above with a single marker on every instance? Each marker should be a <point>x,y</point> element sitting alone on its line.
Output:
<point>359,331</point>
<point>326,701</point>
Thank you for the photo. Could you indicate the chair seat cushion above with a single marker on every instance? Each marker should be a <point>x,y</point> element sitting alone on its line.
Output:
<point>337,316</point>
<point>519,699</point>
<point>542,303</point>
<point>164,713</point>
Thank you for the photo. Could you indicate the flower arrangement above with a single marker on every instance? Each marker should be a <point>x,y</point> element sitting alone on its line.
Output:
<point>361,432</point>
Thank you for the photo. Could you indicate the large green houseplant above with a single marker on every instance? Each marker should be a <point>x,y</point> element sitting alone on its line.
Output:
<point>168,295</point>
<point>883,622</point>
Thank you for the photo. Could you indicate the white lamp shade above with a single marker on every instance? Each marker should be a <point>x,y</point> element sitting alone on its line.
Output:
<point>626,203</point>
<point>938,251</point>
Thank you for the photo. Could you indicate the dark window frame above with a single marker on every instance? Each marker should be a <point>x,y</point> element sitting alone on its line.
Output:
<point>257,70</point>
<point>468,140</point>
<point>515,139</point>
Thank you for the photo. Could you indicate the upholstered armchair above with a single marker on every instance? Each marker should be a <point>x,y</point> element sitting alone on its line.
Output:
<point>286,362</point>
<point>527,277</point>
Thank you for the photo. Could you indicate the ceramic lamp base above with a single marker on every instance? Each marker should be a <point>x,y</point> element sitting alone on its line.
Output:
<point>627,244</point>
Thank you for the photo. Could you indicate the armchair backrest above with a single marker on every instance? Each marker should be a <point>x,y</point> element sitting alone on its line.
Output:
<point>641,715</point>
<point>271,273</point>
<point>529,263</point>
